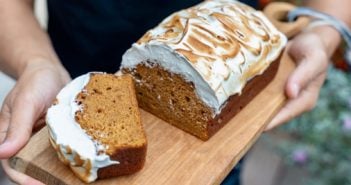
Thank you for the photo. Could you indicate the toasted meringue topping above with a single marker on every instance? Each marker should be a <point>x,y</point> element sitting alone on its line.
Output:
<point>225,42</point>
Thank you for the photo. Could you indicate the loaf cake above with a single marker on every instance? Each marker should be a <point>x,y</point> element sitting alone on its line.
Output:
<point>95,127</point>
<point>202,65</point>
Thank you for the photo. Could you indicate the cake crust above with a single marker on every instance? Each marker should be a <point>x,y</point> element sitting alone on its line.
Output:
<point>131,160</point>
<point>237,102</point>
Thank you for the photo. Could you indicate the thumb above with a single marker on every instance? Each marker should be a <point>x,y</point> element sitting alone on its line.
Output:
<point>18,177</point>
<point>23,115</point>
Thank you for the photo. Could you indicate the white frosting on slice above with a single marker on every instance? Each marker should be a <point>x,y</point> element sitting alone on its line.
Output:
<point>74,146</point>
<point>219,45</point>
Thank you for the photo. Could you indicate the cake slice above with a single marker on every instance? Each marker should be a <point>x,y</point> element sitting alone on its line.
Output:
<point>202,65</point>
<point>95,127</point>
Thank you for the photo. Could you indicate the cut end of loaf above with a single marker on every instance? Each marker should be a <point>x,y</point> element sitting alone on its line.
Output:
<point>171,98</point>
<point>110,113</point>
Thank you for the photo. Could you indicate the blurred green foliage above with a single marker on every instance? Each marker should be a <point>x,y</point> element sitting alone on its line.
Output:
<point>321,139</point>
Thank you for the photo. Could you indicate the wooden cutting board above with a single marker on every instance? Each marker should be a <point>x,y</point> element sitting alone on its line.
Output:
<point>173,156</point>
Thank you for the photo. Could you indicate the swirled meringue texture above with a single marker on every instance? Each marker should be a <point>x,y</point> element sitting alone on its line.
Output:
<point>219,45</point>
<point>74,147</point>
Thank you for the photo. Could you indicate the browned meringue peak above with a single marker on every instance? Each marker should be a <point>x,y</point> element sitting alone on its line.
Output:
<point>215,31</point>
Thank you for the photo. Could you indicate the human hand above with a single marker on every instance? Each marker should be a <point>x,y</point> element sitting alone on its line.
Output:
<point>26,104</point>
<point>17,177</point>
<point>311,51</point>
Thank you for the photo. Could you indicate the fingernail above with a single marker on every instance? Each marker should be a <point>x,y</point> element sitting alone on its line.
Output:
<point>268,127</point>
<point>295,89</point>
<point>272,124</point>
<point>6,150</point>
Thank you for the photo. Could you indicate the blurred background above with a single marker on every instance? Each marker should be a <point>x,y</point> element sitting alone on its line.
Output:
<point>314,149</point>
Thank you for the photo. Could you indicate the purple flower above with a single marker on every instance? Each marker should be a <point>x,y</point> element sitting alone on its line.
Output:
<point>300,156</point>
<point>346,124</point>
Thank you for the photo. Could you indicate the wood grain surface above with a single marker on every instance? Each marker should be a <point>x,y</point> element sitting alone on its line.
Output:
<point>173,156</point>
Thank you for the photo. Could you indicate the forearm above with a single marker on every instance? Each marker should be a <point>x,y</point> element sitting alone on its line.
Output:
<point>22,41</point>
<point>340,9</point>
